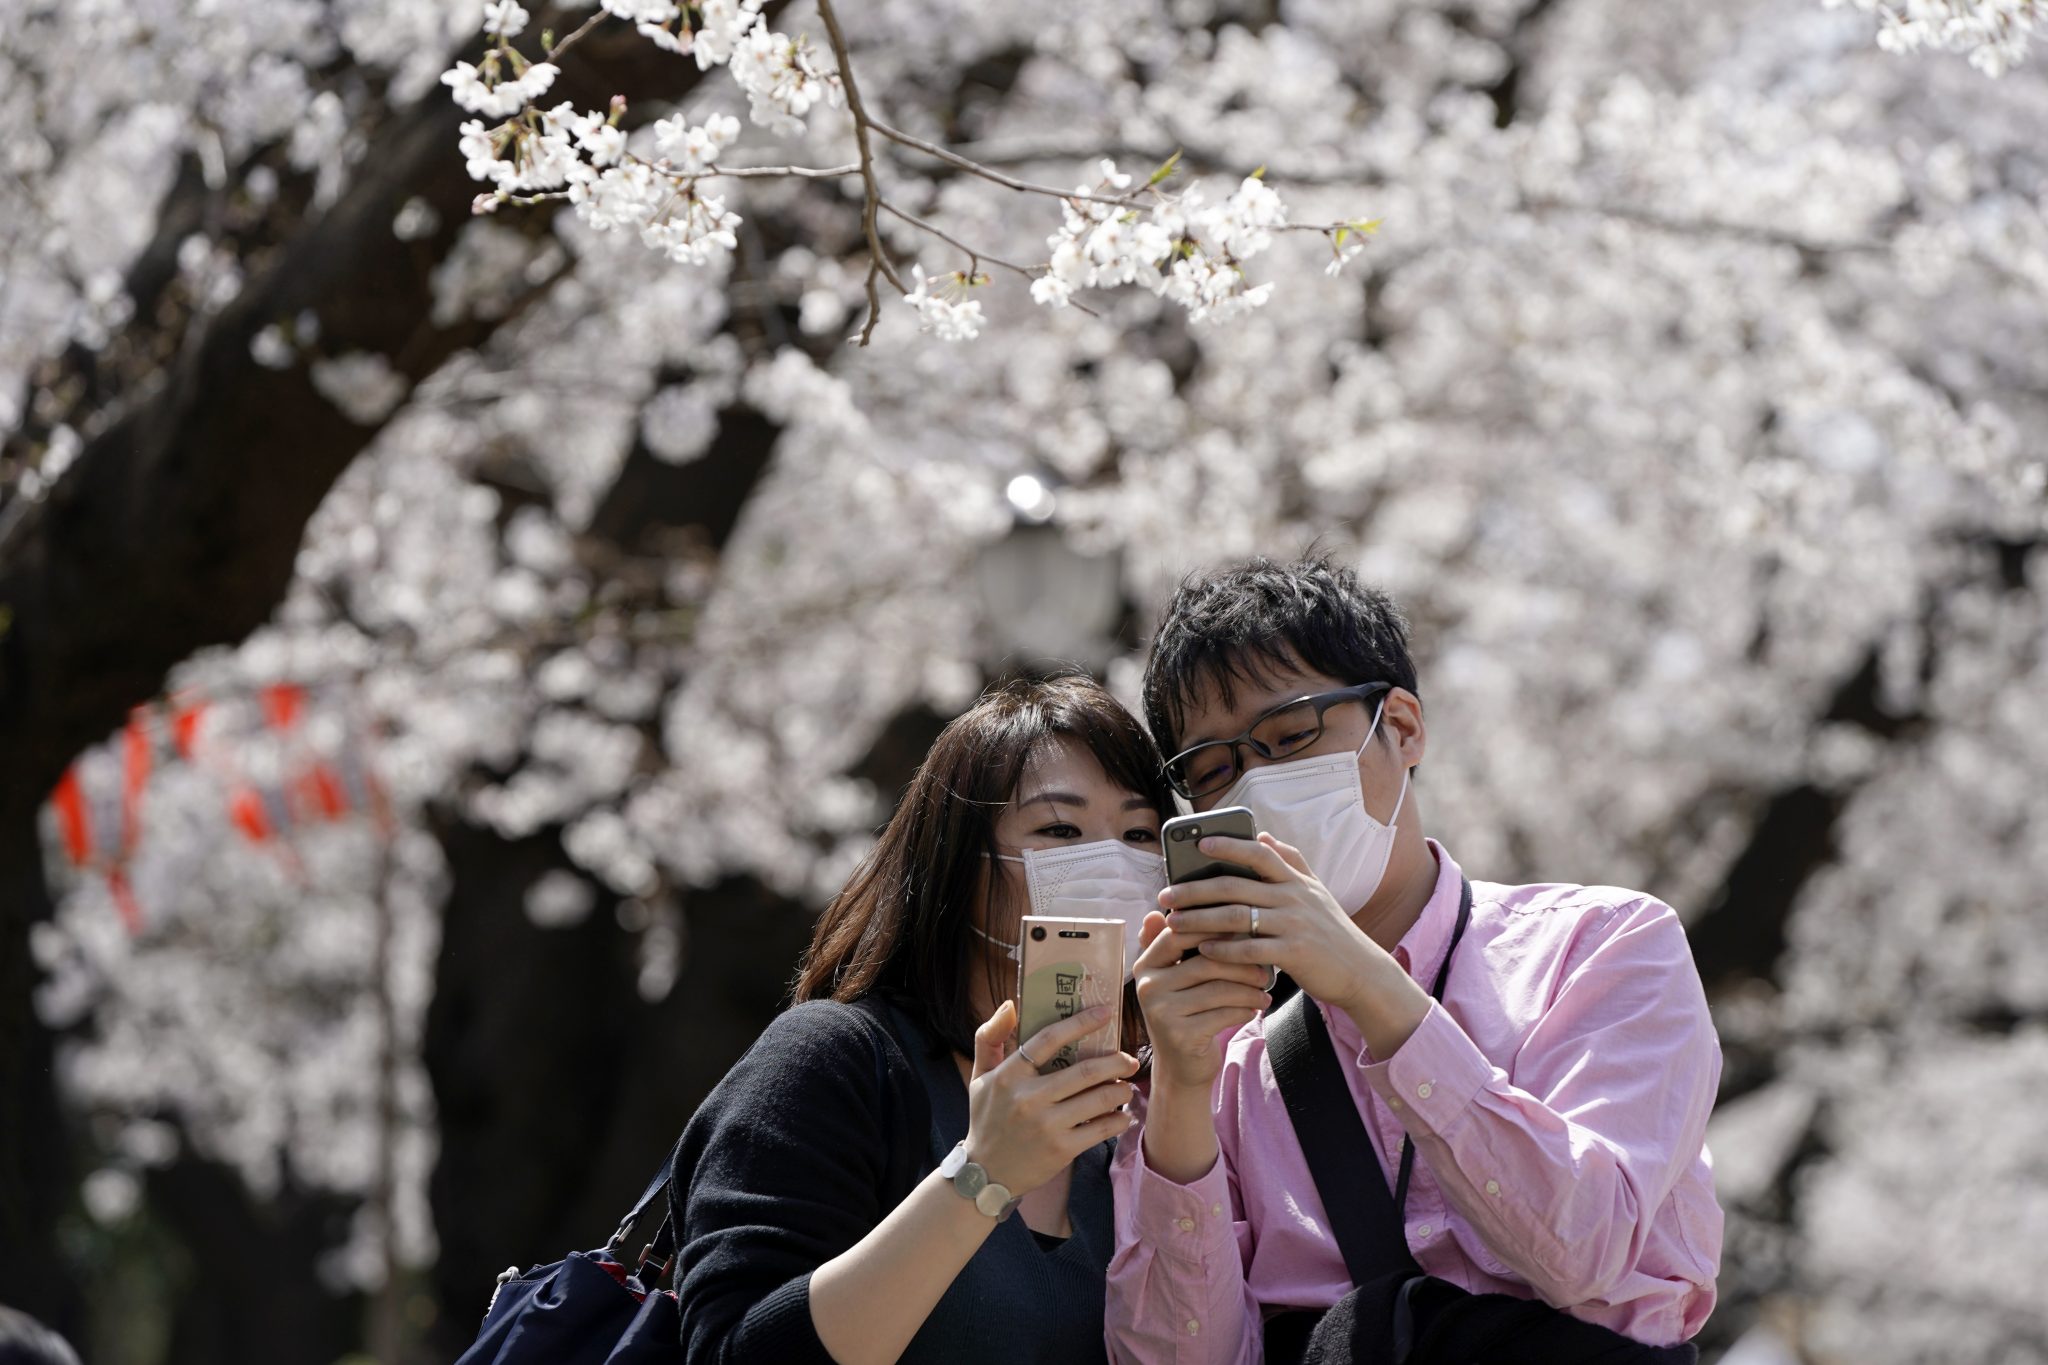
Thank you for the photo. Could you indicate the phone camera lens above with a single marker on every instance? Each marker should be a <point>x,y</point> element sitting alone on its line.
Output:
<point>1038,934</point>
<point>1180,835</point>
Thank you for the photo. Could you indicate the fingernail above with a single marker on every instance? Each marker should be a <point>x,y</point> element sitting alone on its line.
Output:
<point>1267,999</point>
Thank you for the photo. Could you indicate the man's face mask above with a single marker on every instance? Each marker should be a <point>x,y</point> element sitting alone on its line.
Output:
<point>1317,804</point>
<point>1106,879</point>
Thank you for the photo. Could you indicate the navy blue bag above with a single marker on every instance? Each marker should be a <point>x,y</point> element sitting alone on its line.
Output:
<point>590,1309</point>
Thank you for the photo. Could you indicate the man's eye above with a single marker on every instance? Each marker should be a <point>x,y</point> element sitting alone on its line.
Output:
<point>1294,739</point>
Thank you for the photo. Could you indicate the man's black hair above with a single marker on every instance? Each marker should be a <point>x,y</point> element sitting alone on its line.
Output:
<point>1245,624</point>
<point>24,1341</point>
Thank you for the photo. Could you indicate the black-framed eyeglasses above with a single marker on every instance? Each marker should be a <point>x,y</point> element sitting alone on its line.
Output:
<point>1285,730</point>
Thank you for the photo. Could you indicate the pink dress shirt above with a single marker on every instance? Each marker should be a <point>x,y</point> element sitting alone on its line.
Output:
<point>1558,1098</point>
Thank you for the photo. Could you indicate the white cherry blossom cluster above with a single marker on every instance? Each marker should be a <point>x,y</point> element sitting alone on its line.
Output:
<point>1994,33</point>
<point>582,155</point>
<point>1177,246</point>
<point>941,306</point>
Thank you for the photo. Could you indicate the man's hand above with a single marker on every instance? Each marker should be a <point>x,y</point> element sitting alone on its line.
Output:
<point>1189,1005</point>
<point>1302,931</point>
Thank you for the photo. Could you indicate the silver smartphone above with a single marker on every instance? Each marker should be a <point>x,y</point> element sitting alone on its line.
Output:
<point>1069,965</point>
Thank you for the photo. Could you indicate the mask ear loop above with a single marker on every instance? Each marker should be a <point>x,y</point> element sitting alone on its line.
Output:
<point>1012,950</point>
<point>1393,819</point>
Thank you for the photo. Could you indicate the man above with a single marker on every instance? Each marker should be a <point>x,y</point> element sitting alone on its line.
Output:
<point>1555,1095</point>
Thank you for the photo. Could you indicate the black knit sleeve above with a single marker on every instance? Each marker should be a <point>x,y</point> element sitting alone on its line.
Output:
<point>789,1162</point>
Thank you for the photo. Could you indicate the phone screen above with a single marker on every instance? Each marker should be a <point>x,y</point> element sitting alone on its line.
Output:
<point>1070,965</point>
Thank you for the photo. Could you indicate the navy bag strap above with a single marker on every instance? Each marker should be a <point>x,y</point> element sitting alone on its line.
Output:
<point>1364,1218</point>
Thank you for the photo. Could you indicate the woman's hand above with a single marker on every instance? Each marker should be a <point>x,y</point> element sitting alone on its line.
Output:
<point>1024,1128</point>
<point>1190,1005</point>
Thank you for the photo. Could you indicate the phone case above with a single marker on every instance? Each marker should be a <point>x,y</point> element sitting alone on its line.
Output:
<point>1073,965</point>
<point>1185,862</point>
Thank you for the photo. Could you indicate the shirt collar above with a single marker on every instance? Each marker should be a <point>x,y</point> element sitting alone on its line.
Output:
<point>1421,950</point>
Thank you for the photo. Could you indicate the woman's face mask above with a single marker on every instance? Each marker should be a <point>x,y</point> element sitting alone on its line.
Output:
<point>1106,879</point>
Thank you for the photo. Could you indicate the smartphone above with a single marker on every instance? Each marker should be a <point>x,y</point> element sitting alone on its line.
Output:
<point>1070,965</point>
<point>1182,836</point>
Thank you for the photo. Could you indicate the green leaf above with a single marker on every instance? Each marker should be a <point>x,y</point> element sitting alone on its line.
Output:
<point>1342,233</point>
<point>1166,168</point>
<point>1259,174</point>
<point>1368,226</point>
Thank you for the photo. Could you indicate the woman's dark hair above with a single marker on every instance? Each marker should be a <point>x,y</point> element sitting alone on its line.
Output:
<point>901,928</point>
<point>1246,623</point>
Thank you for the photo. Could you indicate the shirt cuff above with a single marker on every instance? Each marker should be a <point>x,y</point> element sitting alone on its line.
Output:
<point>1189,1223</point>
<point>1431,1079</point>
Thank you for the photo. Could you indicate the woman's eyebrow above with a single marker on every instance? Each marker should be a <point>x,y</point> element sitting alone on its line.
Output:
<point>1139,803</point>
<point>1059,798</point>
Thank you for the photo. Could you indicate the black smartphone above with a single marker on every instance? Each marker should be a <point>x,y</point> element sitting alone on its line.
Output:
<point>1182,835</point>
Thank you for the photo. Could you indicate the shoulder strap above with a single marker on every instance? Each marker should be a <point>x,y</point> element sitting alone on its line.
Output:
<point>1364,1218</point>
<point>1333,1138</point>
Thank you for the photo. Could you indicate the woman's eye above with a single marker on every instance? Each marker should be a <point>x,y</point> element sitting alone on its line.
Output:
<point>1141,835</point>
<point>1061,830</point>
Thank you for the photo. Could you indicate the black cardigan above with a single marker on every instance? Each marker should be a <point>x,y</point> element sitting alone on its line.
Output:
<point>809,1141</point>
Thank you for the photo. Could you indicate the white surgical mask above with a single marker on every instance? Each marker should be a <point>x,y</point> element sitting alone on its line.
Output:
<point>1317,804</point>
<point>1106,879</point>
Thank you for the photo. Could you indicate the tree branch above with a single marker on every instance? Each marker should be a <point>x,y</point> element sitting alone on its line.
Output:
<point>878,260</point>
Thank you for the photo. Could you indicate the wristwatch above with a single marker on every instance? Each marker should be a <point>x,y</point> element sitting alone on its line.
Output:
<point>974,1185</point>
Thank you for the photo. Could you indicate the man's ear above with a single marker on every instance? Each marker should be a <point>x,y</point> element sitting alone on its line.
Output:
<point>1401,719</point>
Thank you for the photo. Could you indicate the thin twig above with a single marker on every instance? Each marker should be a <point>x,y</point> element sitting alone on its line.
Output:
<point>800,172</point>
<point>554,54</point>
<point>989,173</point>
<point>972,254</point>
<point>872,199</point>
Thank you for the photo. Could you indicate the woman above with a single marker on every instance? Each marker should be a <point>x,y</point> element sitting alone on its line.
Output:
<point>819,1215</point>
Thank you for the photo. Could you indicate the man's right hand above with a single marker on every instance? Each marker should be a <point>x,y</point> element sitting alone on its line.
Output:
<point>1189,1006</point>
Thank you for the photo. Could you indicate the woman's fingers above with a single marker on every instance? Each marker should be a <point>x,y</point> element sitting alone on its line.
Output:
<point>1090,1104</point>
<point>1068,1081</point>
<point>1113,1124</point>
<point>991,1039</point>
<point>1040,1047</point>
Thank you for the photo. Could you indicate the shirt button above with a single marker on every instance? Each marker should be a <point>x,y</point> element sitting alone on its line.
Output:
<point>1194,1328</point>
<point>1394,1100</point>
<point>1187,1225</point>
<point>1215,1210</point>
<point>1422,1233</point>
<point>1493,1187</point>
<point>1422,1091</point>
